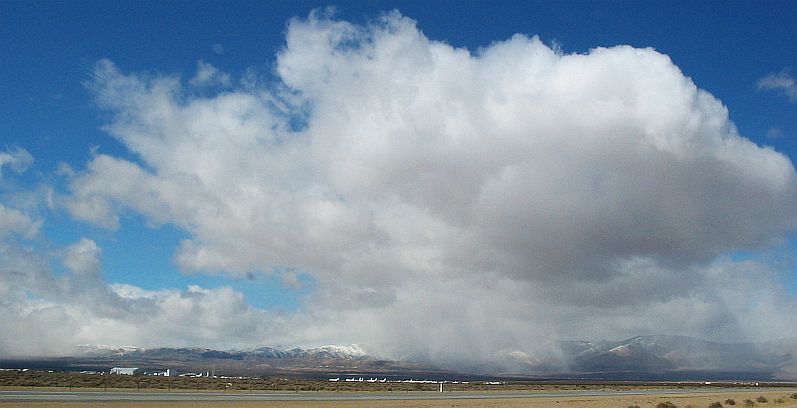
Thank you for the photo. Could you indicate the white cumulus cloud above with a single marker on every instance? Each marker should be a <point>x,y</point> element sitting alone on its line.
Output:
<point>17,222</point>
<point>83,257</point>
<point>46,315</point>
<point>445,201</point>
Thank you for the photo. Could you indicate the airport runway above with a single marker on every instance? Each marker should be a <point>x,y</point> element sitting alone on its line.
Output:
<point>134,396</point>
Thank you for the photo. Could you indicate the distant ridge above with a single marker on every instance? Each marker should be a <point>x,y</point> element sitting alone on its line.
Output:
<point>328,352</point>
<point>666,353</point>
<point>267,361</point>
<point>659,357</point>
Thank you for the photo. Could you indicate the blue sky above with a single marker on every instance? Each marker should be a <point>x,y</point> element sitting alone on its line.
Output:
<point>726,47</point>
<point>50,53</point>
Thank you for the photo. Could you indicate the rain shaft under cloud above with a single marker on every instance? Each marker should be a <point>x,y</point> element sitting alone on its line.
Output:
<point>448,203</point>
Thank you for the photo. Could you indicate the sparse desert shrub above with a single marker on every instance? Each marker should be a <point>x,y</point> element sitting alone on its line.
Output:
<point>666,404</point>
<point>762,399</point>
<point>793,396</point>
<point>779,400</point>
<point>730,401</point>
<point>715,404</point>
<point>633,406</point>
<point>749,403</point>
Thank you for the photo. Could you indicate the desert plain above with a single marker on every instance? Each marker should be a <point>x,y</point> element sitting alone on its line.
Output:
<point>772,398</point>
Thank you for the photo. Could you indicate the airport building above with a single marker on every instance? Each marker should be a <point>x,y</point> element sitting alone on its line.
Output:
<point>126,370</point>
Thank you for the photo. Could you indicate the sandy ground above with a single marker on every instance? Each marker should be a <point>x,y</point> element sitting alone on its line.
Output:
<point>680,400</point>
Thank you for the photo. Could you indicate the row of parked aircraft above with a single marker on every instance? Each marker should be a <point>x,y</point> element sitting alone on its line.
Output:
<point>373,380</point>
<point>361,379</point>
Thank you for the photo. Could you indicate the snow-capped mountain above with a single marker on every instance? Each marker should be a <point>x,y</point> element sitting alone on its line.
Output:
<point>679,353</point>
<point>323,352</point>
<point>102,349</point>
<point>267,360</point>
<point>352,351</point>
<point>333,351</point>
<point>640,357</point>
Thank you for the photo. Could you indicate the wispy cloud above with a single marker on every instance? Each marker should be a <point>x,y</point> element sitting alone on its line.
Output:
<point>782,81</point>
<point>774,133</point>
<point>17,159</point>
<point>208,75</point>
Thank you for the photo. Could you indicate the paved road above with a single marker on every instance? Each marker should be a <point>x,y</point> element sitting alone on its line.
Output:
<point>78,396</point>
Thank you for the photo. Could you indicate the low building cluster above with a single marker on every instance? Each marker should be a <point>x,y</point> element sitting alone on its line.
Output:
<point>136,371</point>
<point>409,381</point>
<point>164,373</point>
<point>126,370</point>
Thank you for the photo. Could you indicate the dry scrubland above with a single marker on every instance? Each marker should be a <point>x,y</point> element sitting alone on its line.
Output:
<point>774,399</point>
<point>780,398</point>
<point>75,381</point>
<point>784,397</point>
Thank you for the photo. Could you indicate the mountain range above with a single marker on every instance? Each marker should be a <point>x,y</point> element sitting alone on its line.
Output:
<point>657,357</point>
<point>315,362</point>
<point>657,353</point>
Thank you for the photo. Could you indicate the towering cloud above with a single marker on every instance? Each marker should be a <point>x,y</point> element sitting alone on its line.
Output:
<point>446,202</point>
